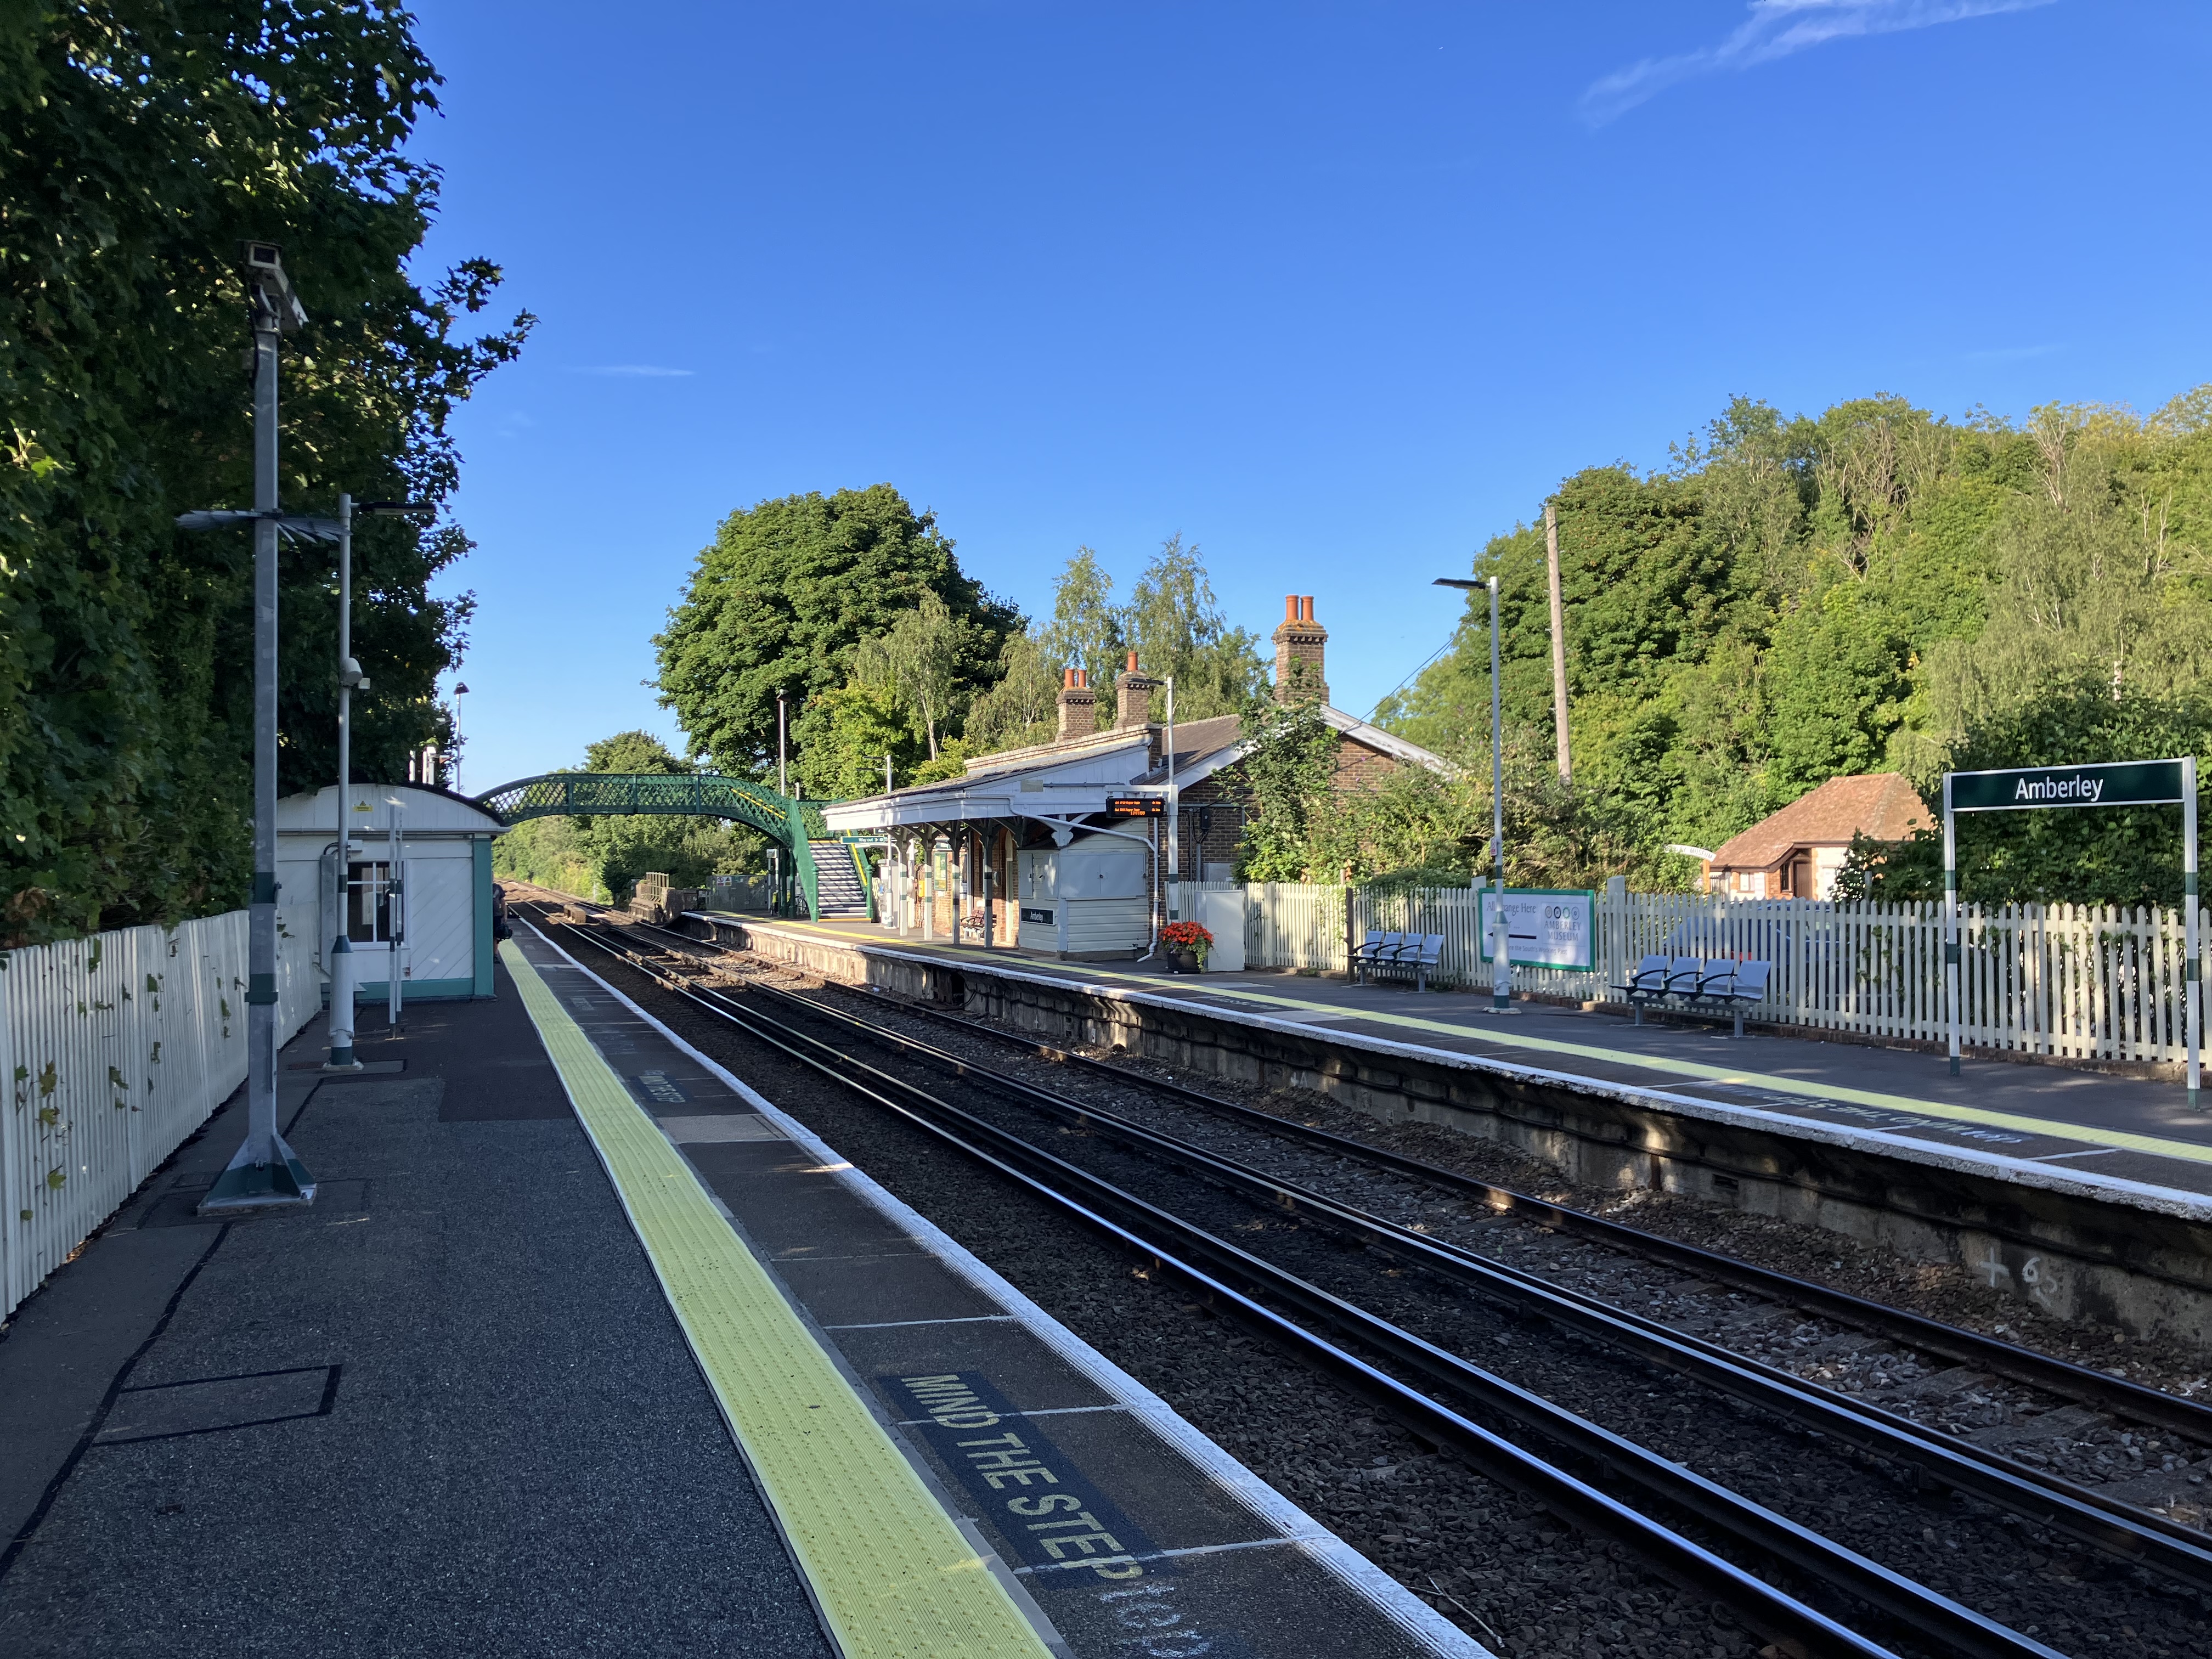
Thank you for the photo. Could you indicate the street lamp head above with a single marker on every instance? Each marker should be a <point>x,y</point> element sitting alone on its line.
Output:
<point>461,690</point>
<point>272,288</point>
<point>398,509</point>
<point>1457,581</point>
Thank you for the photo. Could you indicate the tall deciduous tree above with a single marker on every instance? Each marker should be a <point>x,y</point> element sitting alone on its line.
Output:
<point>783,598</point>
<point>1178,629</point>
<point>1086,630</point>
<point>141,142</point>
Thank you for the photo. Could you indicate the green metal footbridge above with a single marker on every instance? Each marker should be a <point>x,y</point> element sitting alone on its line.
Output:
<point>789,823</point>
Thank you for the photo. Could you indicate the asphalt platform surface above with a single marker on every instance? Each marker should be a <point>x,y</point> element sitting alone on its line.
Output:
<point>445,1411</point>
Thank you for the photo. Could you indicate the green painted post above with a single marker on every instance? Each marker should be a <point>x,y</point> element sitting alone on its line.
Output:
<point>482,932</point>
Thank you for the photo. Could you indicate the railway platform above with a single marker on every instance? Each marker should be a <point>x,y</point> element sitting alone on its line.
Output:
<point>585,1347</point>
<point>2123,1130</point>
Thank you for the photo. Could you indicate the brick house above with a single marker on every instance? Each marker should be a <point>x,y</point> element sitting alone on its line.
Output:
<point>1023,849</point>
<point>1797,852</point>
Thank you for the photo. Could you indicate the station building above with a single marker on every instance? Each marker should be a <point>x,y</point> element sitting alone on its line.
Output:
<point>1028,847</point>
<point>417,891</point>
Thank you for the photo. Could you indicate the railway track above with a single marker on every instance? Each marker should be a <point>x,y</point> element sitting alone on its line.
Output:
<point>1390,1313</point>
<point>2066,1405</point>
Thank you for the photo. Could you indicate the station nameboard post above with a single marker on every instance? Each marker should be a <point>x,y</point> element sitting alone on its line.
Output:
<point>2119,783</point>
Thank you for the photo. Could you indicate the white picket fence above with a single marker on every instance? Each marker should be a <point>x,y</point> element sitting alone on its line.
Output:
<point>2071,981</point>
<point>117,1047</point>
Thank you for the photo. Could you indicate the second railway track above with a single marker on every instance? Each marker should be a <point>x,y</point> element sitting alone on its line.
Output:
<point>1711,1465</point>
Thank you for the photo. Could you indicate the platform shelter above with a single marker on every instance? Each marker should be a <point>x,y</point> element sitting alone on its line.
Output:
<point>416,891</point>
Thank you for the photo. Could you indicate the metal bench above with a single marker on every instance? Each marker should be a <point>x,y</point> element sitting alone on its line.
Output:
<point>1647,984</point>
<point>1697,985</point>
<point>1732,987</point>
<point>1378,947</point>
<point>1416,954</point>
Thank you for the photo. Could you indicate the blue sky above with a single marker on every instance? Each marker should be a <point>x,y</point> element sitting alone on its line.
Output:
<point>1337,291</point>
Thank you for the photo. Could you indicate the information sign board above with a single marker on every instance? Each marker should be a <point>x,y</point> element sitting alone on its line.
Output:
<point>1136,807</point>
<point>2119,783</point>
<point>2111,783</point>
<point>1545,928</point>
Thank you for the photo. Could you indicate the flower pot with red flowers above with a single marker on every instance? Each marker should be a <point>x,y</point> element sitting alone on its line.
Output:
<point>1186,945</point>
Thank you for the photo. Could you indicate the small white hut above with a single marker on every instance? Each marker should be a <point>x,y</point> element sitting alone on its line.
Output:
<point>418,888</point>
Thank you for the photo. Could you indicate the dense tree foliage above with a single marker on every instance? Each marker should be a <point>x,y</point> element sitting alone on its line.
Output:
<point>1872,589</point>
<point>785,597</point>
<point>141,142</point>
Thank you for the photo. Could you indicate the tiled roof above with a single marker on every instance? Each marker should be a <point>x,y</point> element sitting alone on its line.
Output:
<point>1193,741</point>
<point>1881,803</point>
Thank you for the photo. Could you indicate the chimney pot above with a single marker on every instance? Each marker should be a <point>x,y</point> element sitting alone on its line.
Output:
<point>1133,696</point>
<point>1305,607</point>
<point>1290,607</point>
<point>1078,705</point>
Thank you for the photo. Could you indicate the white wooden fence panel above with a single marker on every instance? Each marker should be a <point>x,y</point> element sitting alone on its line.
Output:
<point>2071,981</point>
<point>115,1048</point>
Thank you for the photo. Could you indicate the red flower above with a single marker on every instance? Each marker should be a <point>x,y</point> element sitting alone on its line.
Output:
<point>1186,936</point>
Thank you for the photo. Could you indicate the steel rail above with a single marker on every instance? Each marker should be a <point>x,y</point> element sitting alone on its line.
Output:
<point>2119,1530</point>
<point>1919,1609</point>
<point>2061,1377</point>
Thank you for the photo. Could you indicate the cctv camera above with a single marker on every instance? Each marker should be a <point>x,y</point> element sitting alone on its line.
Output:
<point>264,270</point>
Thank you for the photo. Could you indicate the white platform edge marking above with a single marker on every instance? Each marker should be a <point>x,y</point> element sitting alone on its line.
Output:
<point>2177,1202</point>
<point>1392,1599</point>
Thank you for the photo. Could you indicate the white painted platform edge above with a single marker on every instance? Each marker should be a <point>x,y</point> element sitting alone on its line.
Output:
<point>2115,1189</point>
<point>1405,1609</point>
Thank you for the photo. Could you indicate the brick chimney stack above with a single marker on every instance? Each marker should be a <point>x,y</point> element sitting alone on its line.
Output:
<point>1299,642</point>
<point>1132,694</point>
<point>1078,705</point>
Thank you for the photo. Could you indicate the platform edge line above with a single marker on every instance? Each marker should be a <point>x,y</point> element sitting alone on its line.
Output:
<point>945,1590</point>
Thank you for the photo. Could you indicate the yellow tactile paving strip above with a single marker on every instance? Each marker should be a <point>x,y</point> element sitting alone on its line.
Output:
<point>2052,1128</point>
<point>891,1570</point>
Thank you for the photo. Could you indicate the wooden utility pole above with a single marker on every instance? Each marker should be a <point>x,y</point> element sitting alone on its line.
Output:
<point>1559,642</point>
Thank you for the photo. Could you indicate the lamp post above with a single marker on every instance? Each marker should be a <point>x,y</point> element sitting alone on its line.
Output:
<point>782,771</point>
<point>263,1171</point>
<point>1175,816</point>
<point>453,764</point>
<point>346,975</point>
<point>1501,966</point>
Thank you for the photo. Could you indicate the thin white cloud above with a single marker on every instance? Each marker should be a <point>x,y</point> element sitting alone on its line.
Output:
<point>2011,354</point>
<point>1778,28</point>
<point>637,372</point>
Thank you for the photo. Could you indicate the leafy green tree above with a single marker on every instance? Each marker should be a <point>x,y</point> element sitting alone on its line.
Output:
<point>141,142</point>
<point>842,736</point>
<point>1021,709</point>
<point>1289,768</point>
<point>1086,626</point>
<point>1873,588</point>
<point>783,598</point>
<point>1178,628</point>
<point>924,664</point>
